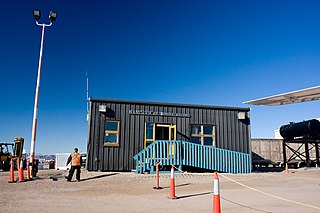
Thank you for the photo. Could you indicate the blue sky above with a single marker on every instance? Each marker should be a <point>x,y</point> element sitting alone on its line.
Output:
<point>199,52</point>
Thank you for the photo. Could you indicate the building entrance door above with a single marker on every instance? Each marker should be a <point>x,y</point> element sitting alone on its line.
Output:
<point>165,132</point>
<point>156,131</point>
<point>162,132</point>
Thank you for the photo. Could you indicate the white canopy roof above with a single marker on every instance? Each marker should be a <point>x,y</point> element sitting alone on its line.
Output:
<point>309,94</point>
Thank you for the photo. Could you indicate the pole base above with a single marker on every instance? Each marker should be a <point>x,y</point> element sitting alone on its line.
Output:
<point>12,181</point>
<point>173,198</point>
<point>157,188</point>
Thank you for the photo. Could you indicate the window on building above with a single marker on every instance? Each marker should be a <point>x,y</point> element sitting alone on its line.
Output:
<point>149,133</point>
<point>203,134</point>
<point>112,132</point>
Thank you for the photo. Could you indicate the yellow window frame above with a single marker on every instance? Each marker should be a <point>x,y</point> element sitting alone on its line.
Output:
<point>153,134</point>
<point>202,136</point>
<point>112,132</point>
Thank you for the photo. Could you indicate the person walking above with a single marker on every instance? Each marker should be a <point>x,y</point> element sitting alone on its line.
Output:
<point>76,162</point>
<point>1,162</point>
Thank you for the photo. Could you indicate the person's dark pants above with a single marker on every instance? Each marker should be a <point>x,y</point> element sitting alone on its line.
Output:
<point>72,171</point>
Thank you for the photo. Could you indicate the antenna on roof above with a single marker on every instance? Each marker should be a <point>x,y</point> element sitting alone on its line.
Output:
<point>87,96</point>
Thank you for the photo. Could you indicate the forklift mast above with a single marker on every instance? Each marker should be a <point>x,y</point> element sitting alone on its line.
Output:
<point>9,151</point>
<point>18,147</point>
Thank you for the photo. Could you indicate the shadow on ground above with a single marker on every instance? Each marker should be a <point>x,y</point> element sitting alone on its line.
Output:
<point>193,195</point>
<point>99,176</point>
<point>268,169</point>
<point>242,205</point>
<point>58,176</point>
<point>185,184</point>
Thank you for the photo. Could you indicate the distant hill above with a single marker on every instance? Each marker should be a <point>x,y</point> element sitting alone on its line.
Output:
<point>46,157</point>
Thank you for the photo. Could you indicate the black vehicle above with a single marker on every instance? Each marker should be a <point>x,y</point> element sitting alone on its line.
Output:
<point>84,159</point>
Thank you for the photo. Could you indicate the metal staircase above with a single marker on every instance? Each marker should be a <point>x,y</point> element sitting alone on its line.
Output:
<point>182,153</point>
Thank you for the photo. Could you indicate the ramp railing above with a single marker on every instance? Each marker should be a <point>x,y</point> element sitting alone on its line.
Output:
<point>182,153</point>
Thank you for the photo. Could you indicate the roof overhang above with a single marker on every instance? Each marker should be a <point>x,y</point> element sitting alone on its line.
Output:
<point>298,96</point>
<point>167,104</point>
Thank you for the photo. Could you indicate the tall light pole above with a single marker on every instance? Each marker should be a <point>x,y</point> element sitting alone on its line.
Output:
<point>52,17</point>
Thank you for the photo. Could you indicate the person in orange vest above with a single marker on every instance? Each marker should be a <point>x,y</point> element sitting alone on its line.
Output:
<point>76,162</point>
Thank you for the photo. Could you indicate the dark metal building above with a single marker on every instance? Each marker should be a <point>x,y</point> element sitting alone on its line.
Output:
<point>119,129</point>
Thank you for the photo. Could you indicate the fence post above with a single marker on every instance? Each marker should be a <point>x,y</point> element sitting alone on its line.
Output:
<point>157,177</point>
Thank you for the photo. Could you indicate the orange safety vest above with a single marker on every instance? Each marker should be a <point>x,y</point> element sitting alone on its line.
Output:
<point>75,159</point>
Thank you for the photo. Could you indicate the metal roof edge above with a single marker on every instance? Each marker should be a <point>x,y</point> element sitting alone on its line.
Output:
<point>273,139</point>
<point>168,104</point>
<point>281,95</point>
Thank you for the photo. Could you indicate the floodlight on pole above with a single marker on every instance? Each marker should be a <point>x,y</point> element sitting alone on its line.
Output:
<point>37,14</point>
<point>52,17</point>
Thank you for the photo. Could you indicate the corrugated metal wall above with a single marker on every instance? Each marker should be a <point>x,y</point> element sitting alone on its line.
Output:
<point>231,133</point>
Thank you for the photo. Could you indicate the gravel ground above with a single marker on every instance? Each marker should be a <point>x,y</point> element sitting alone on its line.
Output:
<point>129,192</point>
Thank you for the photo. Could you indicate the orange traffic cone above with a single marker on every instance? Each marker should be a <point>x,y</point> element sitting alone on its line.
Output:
<point>172,184</point>
<point>28,170</point>
<point>286,170</point>
<point>11,171</point>
<point>21,175</point>
<point>157,177</point>
<point>216,194</point>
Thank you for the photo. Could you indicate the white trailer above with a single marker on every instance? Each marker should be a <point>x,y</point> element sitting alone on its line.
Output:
<point>61,160</point>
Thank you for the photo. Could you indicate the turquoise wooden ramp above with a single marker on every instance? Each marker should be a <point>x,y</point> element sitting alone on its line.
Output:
<point>182,153</point>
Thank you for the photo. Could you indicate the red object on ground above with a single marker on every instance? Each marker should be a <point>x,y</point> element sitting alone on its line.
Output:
<point>157,176</point>
<point>28,170</point>
<point>11,171</point>
<point>286,169</point>
<point>21,175</point>
<point>216,194</point>
<point>172,185</point>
